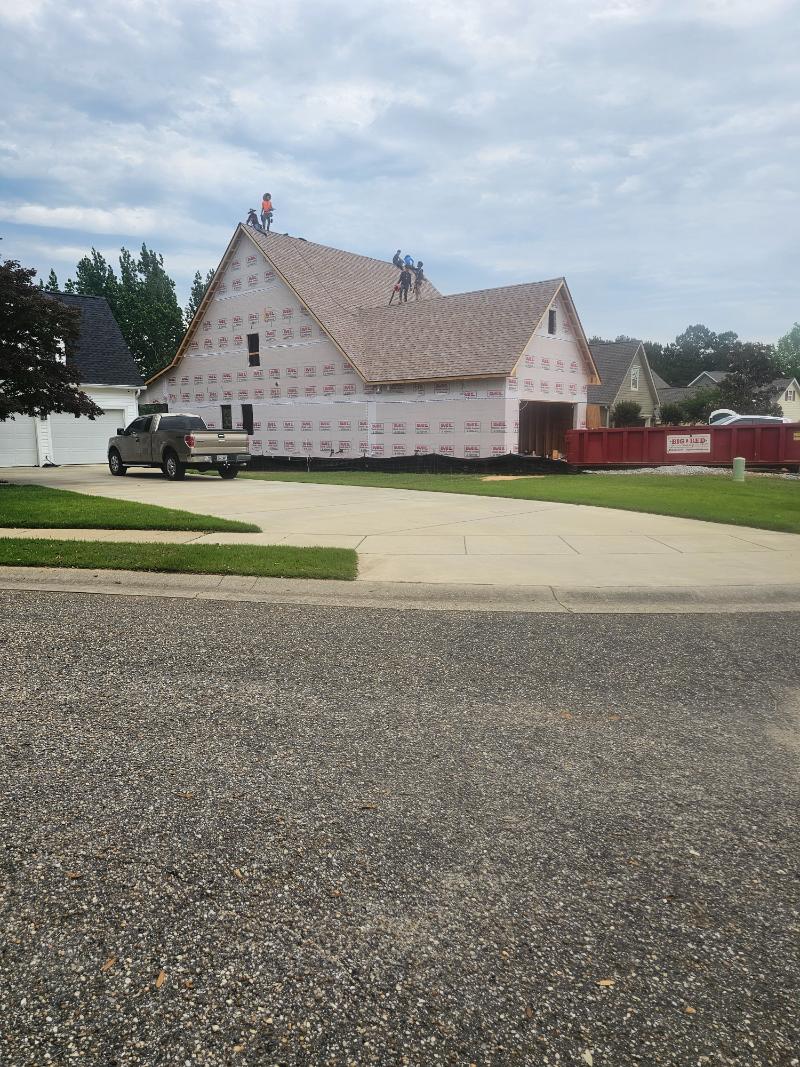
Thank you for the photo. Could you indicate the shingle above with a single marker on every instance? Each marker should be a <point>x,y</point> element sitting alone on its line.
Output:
<point>658,381</point>
<point>101,355</point>
<point>475,334</point>
<point>613,360</point>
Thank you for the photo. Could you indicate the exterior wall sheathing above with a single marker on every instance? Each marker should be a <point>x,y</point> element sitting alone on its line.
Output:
<point>308,399</point>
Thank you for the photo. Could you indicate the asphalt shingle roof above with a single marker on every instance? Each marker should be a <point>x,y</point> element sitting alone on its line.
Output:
<point>613,360</point>
<point>476,334</point>
<point>101,355</point>
<point>466,335</point>
<point>658,381</point>
<point>463,335</point>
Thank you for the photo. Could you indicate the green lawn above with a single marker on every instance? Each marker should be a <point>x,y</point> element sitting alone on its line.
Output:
<point>765,503</point>
<point>270,561</point>
<point>36,506</point>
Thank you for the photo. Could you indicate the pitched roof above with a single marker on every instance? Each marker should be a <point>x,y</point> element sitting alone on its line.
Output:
<point>673,394</point>
<point>463,335</point>
<point>716,376</point>
<point>613,360</point>
<point>101,354</point>
<point>466,335</point>
<point>658,381</point>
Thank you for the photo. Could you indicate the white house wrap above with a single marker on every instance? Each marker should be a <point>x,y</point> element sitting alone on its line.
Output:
<point>296,343</point>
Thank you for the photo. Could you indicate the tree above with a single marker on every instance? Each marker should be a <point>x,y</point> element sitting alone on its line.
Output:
<point>142,300</point>
<point>697,406</point>
<point>747,388</point>
<point>626,413</point>
<point>94,276</point>
<point>147,310</point>
<point>672,413</point>
<point>197,292</point>
<point>51,286</point>
<point>37,336</point>
<point>696,349</point>
<point>787,353</point>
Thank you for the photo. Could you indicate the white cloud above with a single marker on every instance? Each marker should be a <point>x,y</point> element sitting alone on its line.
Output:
<point>500,141</point>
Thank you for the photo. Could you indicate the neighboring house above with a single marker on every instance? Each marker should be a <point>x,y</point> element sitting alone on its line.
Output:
<point>786,391</point>
<point>707,379</point>
<point>625,375</point>
<point>788,397</point>
<point>108,375</point>
<point>296,343</point>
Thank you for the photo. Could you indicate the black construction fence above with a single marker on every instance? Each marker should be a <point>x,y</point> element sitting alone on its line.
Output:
<point>431,463</point>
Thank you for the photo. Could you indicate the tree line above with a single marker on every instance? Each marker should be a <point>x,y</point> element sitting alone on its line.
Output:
<point>750,367</point>
<point>142,298</point>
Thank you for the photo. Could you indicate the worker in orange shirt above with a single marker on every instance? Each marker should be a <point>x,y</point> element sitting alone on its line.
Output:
<point>266,211</point>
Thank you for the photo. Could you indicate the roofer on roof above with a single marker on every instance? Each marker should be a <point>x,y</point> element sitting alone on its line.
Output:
<point>419,278</point>
<point>405,284</point>
<point>397,260</point>
<point>408,261</point>
<point>266,211</point>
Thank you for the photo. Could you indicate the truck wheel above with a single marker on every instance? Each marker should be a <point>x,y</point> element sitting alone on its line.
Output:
<point>115,464</point>
<point>173,469</point>
<point>228,472</point>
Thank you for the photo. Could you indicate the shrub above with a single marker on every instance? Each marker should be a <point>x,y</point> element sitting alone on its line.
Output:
<point>672,414</point>
<point>626,413</point>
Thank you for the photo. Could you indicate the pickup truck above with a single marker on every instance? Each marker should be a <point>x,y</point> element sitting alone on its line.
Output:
<point>176,443</point>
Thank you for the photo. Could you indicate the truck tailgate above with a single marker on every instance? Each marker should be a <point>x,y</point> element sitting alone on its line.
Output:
<point>213,442</point>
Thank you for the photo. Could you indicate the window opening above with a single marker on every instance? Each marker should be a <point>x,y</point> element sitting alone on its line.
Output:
<point>247,417</point>
<point>252,350</point>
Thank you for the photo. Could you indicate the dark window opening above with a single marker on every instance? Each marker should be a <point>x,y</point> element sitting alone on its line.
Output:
<point>227,421</point>
<point>551,320</point>
<point>247,417</point>
<point>252,350</point>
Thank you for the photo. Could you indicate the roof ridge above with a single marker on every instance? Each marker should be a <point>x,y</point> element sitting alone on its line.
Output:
<point>468,292</point>
<point>328,248</point>
<point>635,341</point>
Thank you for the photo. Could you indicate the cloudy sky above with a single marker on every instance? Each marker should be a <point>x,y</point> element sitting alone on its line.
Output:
<point>649,150</point>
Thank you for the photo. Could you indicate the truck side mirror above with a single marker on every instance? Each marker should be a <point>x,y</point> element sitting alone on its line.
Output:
<point>120,431</point>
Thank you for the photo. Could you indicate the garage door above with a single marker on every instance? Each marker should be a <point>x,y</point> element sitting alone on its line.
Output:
<point>18,442</point>
<point>81,440</point>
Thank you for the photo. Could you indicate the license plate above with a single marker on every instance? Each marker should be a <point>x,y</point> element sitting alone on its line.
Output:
<point>222,459</point>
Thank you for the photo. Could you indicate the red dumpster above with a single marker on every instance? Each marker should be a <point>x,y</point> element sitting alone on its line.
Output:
<point>707,446</point>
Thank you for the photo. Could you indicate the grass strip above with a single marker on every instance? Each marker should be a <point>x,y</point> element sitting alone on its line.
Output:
<point>763,503</point>
<point>269,561</point>
<point>38,506</point>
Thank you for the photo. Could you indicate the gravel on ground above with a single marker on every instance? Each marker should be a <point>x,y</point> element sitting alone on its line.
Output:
<point>255,834</point>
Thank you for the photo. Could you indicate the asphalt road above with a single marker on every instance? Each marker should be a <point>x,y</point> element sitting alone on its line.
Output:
<point>245,834</point>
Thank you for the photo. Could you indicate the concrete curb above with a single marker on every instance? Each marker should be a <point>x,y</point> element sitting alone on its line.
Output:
<point>407,595</point>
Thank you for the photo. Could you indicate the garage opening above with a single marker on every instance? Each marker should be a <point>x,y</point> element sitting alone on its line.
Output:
<point>543,426</point>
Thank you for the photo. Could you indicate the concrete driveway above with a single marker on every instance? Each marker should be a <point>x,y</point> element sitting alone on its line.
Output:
<point>404,536</point>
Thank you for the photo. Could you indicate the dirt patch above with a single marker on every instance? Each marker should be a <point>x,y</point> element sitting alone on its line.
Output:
<point>510,477</point>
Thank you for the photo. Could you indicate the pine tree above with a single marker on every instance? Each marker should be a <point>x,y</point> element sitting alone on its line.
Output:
<point>197,292</point>
<point>51,285</point>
